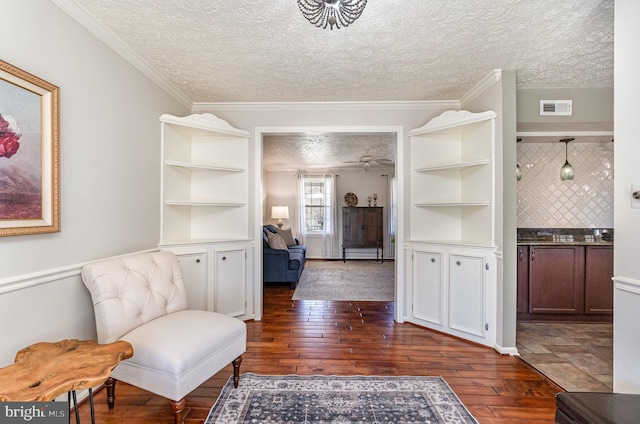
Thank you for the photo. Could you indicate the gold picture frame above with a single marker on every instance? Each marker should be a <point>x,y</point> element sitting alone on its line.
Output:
<point>29,153</point>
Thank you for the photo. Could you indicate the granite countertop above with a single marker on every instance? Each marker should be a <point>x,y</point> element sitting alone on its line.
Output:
<point>565,236</point>
<point>563,243</point>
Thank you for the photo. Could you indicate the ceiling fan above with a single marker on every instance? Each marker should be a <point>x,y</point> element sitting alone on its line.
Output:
<point>367,160</point>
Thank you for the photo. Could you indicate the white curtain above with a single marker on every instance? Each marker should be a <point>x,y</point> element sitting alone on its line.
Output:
<point>330,231</point>
<point>299,228</point>
<point>393,210</point>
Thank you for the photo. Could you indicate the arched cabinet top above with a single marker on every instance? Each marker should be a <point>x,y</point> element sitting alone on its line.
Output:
<point>452,119</point>
<point>205,121</point>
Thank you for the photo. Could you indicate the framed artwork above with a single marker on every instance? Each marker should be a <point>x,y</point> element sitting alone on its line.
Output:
<point>29,153</point>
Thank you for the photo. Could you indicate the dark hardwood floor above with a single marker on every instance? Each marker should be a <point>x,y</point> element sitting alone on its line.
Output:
<point>355,338</point>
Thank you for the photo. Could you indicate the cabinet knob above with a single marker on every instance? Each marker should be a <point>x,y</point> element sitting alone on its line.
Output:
<point>224,258</point>
<point>636,195</point>
<point>197,261</point>
<point>433,259</point>
<point>457,262</point>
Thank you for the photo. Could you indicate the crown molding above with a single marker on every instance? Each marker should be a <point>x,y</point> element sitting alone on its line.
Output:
<point>481,87</point>
<point>87,20</point>
<point>200,107</point>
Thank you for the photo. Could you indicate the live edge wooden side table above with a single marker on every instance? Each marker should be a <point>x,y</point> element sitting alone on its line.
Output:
<point>44,371</point>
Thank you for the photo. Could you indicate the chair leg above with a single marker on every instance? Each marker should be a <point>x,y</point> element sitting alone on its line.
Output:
<point>236,371</point>
<point>178,409</point>
<point>110,384</point>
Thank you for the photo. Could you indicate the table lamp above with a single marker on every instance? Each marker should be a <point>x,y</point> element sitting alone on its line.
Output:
<point>279,213</point>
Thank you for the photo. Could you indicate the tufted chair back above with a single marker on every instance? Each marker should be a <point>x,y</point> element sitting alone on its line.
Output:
<point>129,291</point>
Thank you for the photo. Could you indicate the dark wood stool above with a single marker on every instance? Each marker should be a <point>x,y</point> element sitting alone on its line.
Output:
<point>597,408</point>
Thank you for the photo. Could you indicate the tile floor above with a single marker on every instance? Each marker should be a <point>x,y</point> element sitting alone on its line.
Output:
<point>576,356</point>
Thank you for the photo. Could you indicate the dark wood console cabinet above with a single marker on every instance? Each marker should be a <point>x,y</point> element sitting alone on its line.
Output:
<point>362,228</point>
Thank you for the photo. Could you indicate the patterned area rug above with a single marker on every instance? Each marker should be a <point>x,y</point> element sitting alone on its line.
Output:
<point>353,280</point>
<point>338,399</point>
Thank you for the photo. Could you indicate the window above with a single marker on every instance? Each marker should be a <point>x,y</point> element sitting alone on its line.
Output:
<point>314,204</point>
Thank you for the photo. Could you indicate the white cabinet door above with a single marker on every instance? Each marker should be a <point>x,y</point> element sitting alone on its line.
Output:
<point>428,286</point>
<point>194,272</point>
<point>467,294</point>
<point>230,282</point>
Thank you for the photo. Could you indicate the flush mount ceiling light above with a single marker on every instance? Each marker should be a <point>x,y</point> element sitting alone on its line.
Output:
<point>566,173</point>
<point>331,12</point>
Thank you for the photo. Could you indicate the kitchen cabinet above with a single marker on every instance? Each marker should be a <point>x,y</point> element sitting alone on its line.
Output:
<point>556,280</point>
<point>564,281</point>
<point>362,228</point>
<point>522,305</point>
<point>598,280</point>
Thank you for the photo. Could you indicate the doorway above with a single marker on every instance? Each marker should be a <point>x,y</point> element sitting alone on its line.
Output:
<point>575,354</point>
<point>316,133</point>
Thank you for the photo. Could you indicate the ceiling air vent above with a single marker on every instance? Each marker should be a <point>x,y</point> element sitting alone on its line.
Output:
<point>555,107</point>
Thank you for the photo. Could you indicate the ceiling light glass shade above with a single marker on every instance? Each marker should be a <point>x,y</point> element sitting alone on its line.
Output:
<point>566,173</point>
<point>518,172</point>
<point>340,13</point>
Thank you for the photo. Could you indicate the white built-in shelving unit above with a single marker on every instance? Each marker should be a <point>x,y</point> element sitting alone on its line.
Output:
<point>205,183</point>
<point>205,208</point>
<point>451,230</point>
<point>452,181</point>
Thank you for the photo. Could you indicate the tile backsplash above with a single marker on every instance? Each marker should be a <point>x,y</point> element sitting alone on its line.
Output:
<point>545,201</point>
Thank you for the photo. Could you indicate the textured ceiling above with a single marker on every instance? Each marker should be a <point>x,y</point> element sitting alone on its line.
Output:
<point>327,151</point>
<point>399,50</point>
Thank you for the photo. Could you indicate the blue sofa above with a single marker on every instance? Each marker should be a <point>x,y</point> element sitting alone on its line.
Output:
<point>279,265</point>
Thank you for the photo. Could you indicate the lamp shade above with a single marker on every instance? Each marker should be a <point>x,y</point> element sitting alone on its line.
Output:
<point>280,212</point>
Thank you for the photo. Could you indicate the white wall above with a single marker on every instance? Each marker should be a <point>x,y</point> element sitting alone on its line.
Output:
<point>626,315</point>
<point>110,172</point>
<point>280,190</point>
<point>500,98</point>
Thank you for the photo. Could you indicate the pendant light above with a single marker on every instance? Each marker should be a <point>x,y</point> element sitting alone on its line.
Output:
<point>518,169</point>
<point>566,173</point>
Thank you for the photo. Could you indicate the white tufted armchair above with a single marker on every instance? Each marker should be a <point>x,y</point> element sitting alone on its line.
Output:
<point>141,299</point>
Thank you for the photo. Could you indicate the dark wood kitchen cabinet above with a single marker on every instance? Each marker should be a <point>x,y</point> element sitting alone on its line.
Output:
<point>362,228</point>
<point>556,280</point>
<point>522,306</point>
<point>598,280</point>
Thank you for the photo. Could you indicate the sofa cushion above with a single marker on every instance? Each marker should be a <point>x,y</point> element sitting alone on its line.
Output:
<point>276,241</point>
<point>270,228</point>
<point>286,236</point>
